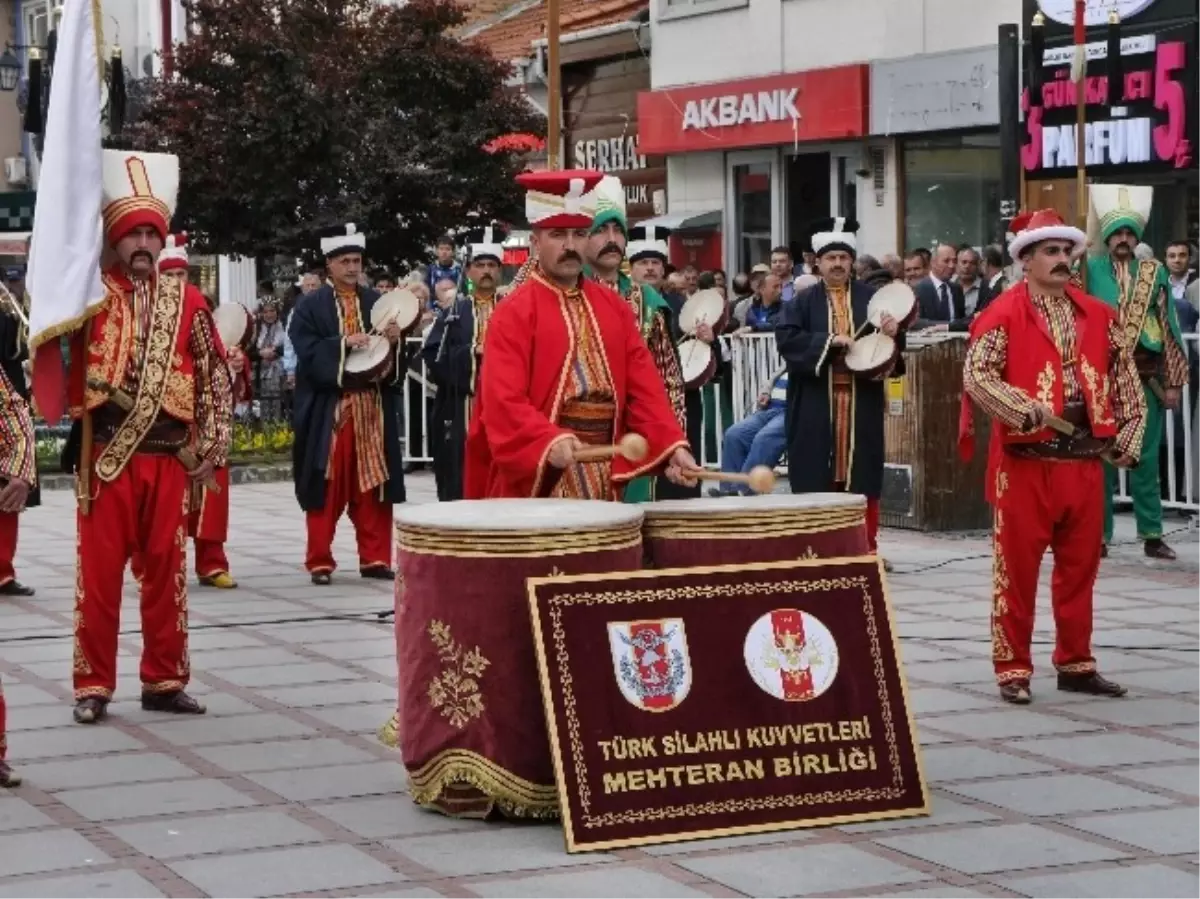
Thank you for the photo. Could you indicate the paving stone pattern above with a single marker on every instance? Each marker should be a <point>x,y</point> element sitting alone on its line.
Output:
<point>282,789</point>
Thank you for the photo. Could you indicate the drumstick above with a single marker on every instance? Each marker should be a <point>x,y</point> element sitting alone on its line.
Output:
<point>1059,424</point>
<point>632,447</point>
<point>761,479</point>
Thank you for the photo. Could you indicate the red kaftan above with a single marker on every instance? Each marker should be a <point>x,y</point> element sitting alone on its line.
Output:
<point>530,350</point>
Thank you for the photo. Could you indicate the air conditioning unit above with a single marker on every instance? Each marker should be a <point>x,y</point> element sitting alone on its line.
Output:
<point>15,171</point>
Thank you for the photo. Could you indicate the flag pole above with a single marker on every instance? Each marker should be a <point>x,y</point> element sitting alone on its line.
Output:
<point>553,86</point>
<point>1081,197</point>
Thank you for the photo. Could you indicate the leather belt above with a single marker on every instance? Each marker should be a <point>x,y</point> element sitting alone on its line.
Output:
<point>165,438</point>
<point>1080,445</point>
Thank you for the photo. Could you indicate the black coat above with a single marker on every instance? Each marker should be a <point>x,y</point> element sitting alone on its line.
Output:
<point>449,353</point>
<point>929,306</point>
<point>316,333</point>
<point>803,336</point>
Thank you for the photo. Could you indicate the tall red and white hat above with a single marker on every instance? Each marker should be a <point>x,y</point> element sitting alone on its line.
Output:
<point>559,199</point>
<point>1030,228</point>
<point>174,255</point>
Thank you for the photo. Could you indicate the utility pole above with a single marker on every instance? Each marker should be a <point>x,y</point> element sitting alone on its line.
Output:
<point>1009,48</point>
<point>554,86</point>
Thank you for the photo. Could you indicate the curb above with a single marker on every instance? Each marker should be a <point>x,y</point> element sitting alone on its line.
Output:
<point>238,474</point>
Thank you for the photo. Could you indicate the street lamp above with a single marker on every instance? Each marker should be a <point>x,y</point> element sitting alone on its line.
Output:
<point>10,71</point>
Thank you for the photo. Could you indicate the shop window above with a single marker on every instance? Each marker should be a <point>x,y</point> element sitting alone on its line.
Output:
<point>752,199</point>
<point>952,190</point>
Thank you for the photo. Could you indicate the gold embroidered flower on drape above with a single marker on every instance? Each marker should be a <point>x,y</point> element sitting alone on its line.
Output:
<point>1045,382</point>
<point>455,692</point>
<point>1098,388</point>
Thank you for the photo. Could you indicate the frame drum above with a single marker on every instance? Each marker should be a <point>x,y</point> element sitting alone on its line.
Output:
<point>235,325</point>
<point>367,365</point>
<point>898,300</point>
<point>401,306</point>
<point>704,307</point>
<point>872,355</point>
<point>698,363</point>
<point>736,530</point>
<point>471,727</point>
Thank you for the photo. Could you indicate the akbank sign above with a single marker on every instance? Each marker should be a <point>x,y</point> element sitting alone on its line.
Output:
<point>819,104</point>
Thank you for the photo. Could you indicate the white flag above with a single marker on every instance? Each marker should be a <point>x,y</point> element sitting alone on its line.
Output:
<point>64,255</point>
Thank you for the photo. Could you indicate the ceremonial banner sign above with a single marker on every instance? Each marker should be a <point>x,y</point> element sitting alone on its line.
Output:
<point>707,702</point>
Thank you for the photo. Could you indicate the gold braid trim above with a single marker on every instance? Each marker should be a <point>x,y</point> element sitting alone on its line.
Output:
<point>737,527</point>
<point>389,733</point>
<point>1133,313</point>
<point>515,796</point>
<point>513,544</point>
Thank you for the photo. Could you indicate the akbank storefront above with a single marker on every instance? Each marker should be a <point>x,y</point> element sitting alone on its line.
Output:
<point>769,154</point>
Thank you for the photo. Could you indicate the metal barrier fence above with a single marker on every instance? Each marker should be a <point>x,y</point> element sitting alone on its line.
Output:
<point>753,361</point>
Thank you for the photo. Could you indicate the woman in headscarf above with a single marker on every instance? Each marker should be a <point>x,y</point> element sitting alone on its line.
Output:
<point>266,353</point>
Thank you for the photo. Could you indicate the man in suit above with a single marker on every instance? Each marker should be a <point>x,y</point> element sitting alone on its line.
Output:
<point>941,303</point>
<point>993,272</point>
<point>967,276</point>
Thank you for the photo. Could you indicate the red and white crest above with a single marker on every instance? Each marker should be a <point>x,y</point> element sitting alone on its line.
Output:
<point>650,662</point>
<point>791,655</point>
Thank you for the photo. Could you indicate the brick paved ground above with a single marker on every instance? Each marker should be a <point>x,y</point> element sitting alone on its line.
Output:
<point>283,789</point>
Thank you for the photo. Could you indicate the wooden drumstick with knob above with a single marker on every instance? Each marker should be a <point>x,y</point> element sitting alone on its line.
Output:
<point>760,479</point>
<point>632,447</point>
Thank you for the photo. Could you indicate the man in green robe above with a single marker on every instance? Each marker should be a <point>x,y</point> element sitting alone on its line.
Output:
<point>606,264</point>
<point>1141,294</point>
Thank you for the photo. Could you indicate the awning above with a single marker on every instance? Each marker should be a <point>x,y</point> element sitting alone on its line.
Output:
<point>704,221</point>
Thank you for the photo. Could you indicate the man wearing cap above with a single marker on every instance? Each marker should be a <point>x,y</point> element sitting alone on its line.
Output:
<point>647,251</point>
<point>18,476</point>
<point>453,351</point>
<point>347,450</point>
<point>208,520</point>
<point>155,389</point>
<point>605,258</point>
<point>1140,292</point>
<point>1068,363</point>
<point>14,355</point>
<point>566,366</point>
<point>835,417</point>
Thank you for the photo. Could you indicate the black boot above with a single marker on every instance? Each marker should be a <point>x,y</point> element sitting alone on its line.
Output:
<point>1090,682</point>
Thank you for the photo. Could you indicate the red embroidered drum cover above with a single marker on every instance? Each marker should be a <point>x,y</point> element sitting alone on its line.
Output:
<point>470,724</point>
<point>734,530</point>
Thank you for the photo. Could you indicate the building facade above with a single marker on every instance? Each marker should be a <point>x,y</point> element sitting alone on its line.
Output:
<point>775,113</point>
<point>1148,137</point>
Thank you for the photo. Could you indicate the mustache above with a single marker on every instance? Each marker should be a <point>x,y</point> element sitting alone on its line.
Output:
<point>611,248</point>
<point>571,256</point>
<point>145,254</point>
<point>1061,267</point>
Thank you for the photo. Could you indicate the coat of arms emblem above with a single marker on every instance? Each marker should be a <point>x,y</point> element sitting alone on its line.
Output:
<point>791,655</point>
<point>650,662</point>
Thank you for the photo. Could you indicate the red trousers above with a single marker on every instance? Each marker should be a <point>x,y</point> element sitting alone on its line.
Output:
<point>3,726</point>
<point>1042,504</point>
<point>208,524</point>
<point>143,512</point>
<point>8,547</point>
<point>873,524</point>
<point>370,515</point>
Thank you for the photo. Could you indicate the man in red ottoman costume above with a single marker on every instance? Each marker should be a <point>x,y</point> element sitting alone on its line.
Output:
<point>1045,353</point>
<point>566,366</point>
<point>156,393</point>
<point>18,473</point>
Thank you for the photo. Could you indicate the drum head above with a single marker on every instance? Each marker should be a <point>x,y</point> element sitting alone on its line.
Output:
<point>401,306</point>
<point>708,507</point>
<point>695,358</point>
<point>367,358</point>
<point>233,323</point>
<point>519,515</point>
<point>705,307</point>
<point>896,299</point>
<point>872,352</point>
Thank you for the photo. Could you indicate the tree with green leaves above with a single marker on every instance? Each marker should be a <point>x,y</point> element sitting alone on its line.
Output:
<point>292,117</point>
